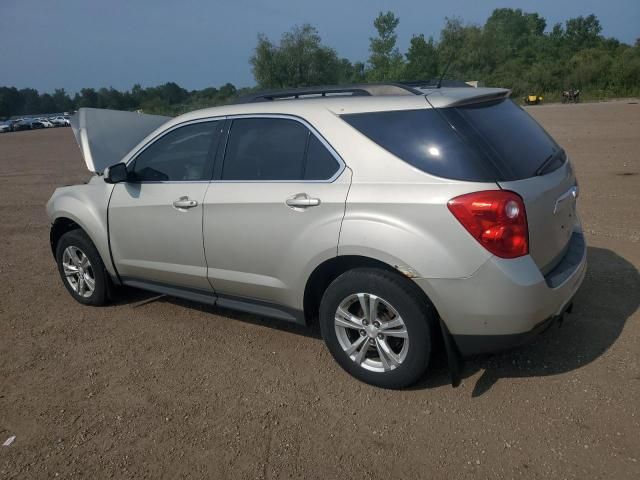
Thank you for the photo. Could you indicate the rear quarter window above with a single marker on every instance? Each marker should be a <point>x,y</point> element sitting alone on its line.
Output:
<point>425,140</point>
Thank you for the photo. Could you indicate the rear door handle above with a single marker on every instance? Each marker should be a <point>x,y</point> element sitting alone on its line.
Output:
<point>184,202</point>
<point>302,200</point>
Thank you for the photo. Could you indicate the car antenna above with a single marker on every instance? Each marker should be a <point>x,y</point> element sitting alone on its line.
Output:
<point>444,72</point>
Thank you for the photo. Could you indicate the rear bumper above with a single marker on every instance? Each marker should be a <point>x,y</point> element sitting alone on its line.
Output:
<point>470,345</point>
<point>507,302</point>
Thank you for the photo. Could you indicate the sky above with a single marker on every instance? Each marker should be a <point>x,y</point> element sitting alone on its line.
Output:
<point>71,44</point>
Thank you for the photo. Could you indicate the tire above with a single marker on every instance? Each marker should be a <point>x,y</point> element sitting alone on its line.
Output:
<point>77,241</point>
<point>363,286</point>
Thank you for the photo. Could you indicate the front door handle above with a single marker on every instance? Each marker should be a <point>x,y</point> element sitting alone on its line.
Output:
<point>184,202</point>
<point>302,200</point>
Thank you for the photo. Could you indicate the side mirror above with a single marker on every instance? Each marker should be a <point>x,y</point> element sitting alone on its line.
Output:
<point>116,173</point>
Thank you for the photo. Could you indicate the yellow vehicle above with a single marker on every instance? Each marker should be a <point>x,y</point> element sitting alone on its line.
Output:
<point>533,99</point>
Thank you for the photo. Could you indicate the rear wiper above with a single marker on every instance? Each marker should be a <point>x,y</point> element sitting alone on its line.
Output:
<point>548,161</point>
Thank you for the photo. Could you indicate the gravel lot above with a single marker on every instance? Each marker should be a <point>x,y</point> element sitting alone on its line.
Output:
<point>158,387</point>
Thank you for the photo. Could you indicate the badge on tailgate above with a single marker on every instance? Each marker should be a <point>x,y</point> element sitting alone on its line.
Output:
<point>568,196</point>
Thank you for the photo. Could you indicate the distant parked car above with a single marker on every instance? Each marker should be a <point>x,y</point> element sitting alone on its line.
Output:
<point>41,123</point>
<point>22,124</point>
<point>5,127</point>
<point>60,121</point>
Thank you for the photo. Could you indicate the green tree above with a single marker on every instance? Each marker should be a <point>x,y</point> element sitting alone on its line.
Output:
<point>62,101</point>
<point>385,59</point>
<point>299,60</point>
<point>422,59</point>
<point>87,97</point>
<point>11,102</point>
<point>47,104</point>
<point>30,101</point>
<point>626,70</point>
<point>582,32</point>
<point>587,68</point>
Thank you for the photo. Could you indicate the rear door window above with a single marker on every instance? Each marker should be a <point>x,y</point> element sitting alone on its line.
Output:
<point>265,149</point>
<point>275,149</point>
<point>320,163</point>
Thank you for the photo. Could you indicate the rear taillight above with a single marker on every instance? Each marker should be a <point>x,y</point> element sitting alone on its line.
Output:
<point>496,219</point>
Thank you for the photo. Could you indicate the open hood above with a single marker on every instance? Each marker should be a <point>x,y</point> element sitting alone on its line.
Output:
<point>106,136</point>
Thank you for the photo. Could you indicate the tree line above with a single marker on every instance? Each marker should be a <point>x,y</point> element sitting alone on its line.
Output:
<point>169,98</point>
<point>513,49</point>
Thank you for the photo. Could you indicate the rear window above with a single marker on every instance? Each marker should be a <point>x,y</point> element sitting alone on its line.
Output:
<point>490,141</point>
<point>513,141</point>
<point>425,140</point>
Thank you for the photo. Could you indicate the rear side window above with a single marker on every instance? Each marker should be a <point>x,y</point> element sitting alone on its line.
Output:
<point>320,164</point>
<point>275,149</point>
<point>183,154</point>
<point>424,139</point>
<point>265,149</point>
<point>513,140</point>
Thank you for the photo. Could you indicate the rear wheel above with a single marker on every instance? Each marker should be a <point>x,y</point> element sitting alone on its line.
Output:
<point>81,269</point>
<point>377,327</point>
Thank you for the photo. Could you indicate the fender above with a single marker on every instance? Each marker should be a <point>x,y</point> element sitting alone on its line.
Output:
<point>87,206</point>
<point>415,232</point>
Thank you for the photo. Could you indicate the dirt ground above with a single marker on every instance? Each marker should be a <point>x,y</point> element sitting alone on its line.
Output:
<point>156,387</point>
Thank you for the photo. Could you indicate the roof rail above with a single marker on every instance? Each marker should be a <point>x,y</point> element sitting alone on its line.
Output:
<point>365,89</point>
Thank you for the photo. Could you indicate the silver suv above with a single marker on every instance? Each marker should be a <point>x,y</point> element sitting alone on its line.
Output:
<point>394,214</point>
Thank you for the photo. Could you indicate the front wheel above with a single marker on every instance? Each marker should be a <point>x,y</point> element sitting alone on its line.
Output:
<point>377,327</point>
<point>81,269</point>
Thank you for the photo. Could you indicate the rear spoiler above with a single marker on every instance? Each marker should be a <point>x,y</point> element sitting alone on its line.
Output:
<point>457,97</point>
<point>106,136</point>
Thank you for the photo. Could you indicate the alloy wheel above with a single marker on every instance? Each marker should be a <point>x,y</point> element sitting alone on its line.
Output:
<point>371,332</point>
<point>78,271</point>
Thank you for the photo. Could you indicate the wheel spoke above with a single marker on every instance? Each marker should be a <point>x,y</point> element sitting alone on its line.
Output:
<point>364,304</point>
<point>401,333</point>
<point>373,308</point>
<point>383,358</point>
<point>362,353</point>
<point>388,358</point>
<point>73,254</point>
<point>396,322</point>
<point>80,285</point>
<point>90,283</point>
<point>346,320</point>
<point>69,270</point>
<point>84,263</point>
<point>356,345</point>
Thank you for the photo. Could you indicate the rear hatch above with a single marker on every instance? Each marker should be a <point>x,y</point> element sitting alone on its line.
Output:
<point>550,201</point>
<point>529,162</point>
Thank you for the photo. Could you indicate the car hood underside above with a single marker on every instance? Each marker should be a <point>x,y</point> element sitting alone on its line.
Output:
<point>106,136</point>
